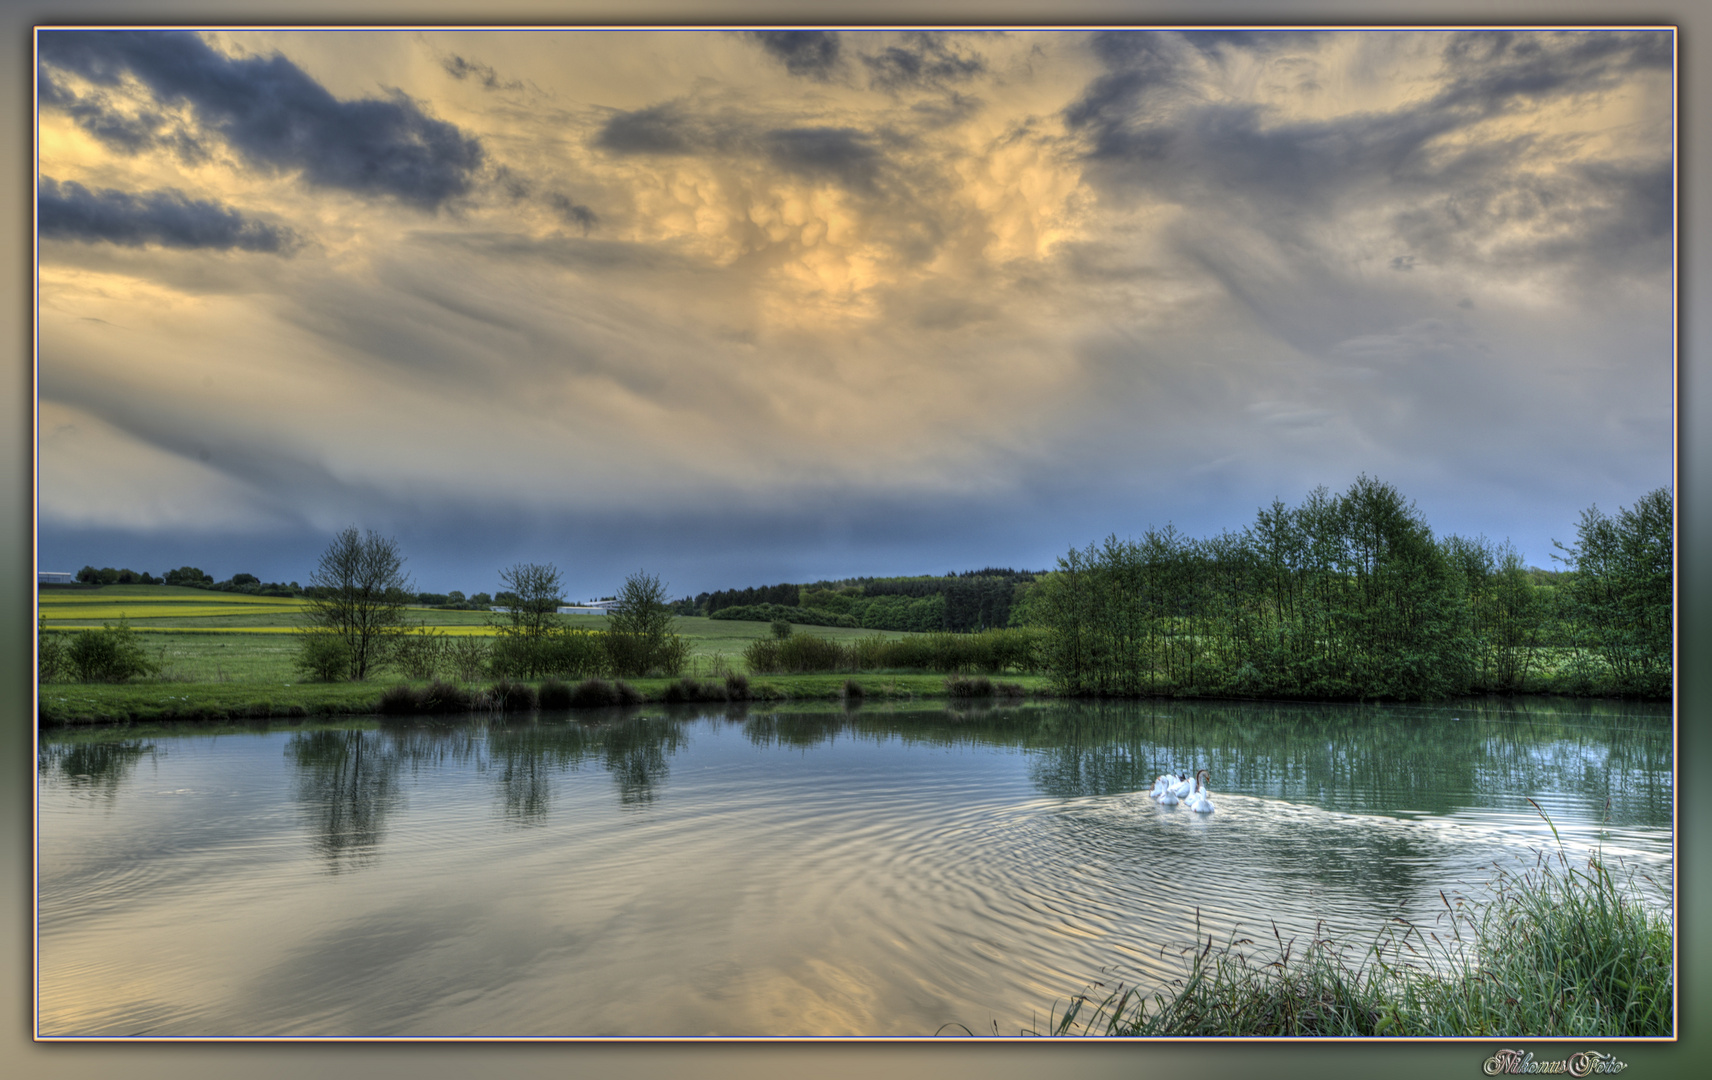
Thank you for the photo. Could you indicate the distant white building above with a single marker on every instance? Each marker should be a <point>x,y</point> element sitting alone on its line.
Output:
<point>589,607</point>
<point>54,577</point>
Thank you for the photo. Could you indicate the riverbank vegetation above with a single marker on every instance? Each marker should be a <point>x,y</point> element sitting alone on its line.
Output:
<point>1351,597</point>
<point>1557,950</point>
<point>1342,597</point>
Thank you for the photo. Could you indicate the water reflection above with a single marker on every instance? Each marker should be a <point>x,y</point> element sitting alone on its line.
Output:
<point>347,784</point>
<point>755,871</point>
<point>1399,761</point>
<point>97,768</point>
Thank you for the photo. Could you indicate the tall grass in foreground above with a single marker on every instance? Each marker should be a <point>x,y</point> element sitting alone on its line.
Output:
<point>1559,950</point>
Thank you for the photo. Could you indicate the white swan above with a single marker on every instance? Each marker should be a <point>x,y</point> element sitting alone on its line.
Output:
<point>1168,797</point>
<point>1199,802</point>
<point>1184,787</point>
<point>1159,787</point>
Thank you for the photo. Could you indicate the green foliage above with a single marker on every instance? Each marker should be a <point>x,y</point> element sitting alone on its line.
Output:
<point>991,651</point>
<point>1619,601</point>
<point>359,591</point>
<point>467,656</point>
<point>1559,951</point>
<point>419,653</point>
<point>781,629</point>
<point>640,638</point>
<point>110,654</point>
<point>1342,597</point>
<point>52,662</point>
<point>323,656</point>
<point>779,613</point>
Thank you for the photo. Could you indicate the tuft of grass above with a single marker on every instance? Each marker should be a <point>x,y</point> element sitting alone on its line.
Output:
<point>958,686</point>
<point>508,696</point>
<point>554,694</point>
<point>1559,950</point>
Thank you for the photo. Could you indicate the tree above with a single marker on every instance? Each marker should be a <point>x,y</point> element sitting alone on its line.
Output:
<point>531,597</point>
<point>639,635</point>
<point>360,592</point>
<point>1621,595</point>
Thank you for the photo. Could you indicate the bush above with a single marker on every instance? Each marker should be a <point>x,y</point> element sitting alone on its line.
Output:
<point>110,654</point>
<point>593,693</point>
<point>853,690</point>
<point>400,700</point>
<point>781,629</point>
<point>419,653</point>
<point>51,660</point>
<point>508,696</point>
<point>979,687</point>
<point>688,689</point>
<point>467,656</point>
<point>737,688</point>
<point>553,694</point>
<point>322,656</point>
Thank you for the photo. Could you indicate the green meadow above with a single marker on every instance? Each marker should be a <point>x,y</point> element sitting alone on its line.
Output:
<point>229,655</point>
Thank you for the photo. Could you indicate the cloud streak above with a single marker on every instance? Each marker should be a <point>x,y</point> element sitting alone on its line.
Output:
<point>271,112</point>
<point>70,211</point>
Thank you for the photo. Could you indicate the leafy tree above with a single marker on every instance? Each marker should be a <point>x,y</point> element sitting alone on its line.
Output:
<point>359,594</point>
<point>639,636</point>
<point>188,575</point>
<point>527,627</point>
<point>1620,598</point>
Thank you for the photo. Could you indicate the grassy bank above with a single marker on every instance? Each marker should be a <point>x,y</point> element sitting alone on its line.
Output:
<point>1558,950</point>
<point>149,702</point>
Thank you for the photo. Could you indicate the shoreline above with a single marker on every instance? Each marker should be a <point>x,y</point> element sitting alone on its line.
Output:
<point>68,705</point>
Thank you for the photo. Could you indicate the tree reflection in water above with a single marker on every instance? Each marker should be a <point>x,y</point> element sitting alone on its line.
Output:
<point>347,784</point>
<point>1387,759</point>
<point>99,768</point>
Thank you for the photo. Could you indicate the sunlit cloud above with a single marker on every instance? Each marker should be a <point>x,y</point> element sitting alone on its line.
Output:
<point>1065,283</point>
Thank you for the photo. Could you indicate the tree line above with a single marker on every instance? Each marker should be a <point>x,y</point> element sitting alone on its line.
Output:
<point>1349,597</point>
<point>355,624</point>
<point>957,603</point>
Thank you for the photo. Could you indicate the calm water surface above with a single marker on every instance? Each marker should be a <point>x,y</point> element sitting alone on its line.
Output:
<point>880,872</point>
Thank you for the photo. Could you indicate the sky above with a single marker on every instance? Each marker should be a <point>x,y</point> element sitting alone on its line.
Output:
<point>737,308</point>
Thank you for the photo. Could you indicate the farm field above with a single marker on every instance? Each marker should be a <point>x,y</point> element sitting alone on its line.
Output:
<point>197,636</point>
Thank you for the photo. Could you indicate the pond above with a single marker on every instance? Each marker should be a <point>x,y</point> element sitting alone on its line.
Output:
<point>882,871</point>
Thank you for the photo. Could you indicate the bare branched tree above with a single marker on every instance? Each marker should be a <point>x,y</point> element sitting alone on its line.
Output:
<point>358,593</point>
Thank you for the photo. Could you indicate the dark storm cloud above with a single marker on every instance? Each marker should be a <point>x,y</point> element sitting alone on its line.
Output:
<point>1489,69</point>
<point>459,68</point>
<point>923,59</point>
<point>658,129</point>
<point>573,212</point>
<point>812,54</point>
<point>70,211</point>
<point>270,111</point>
<point>1215,42</point>
<point>844,154</point>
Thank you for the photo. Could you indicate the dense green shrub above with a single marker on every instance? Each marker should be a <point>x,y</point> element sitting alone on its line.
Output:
<point>52,663</point>
<point>110,654</point>
<point>553,694</point>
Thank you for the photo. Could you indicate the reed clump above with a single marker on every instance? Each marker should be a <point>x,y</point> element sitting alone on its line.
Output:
<point>1560,950</point>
